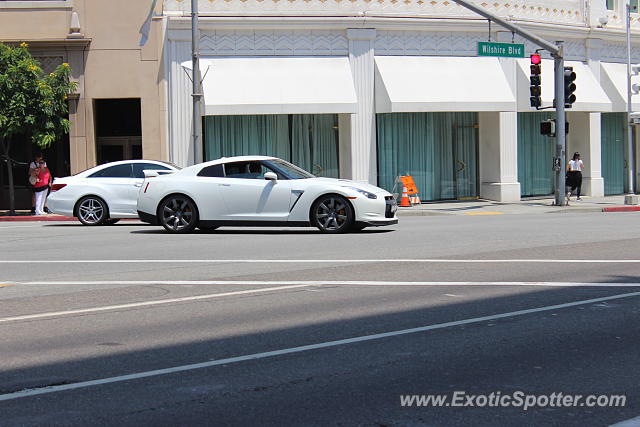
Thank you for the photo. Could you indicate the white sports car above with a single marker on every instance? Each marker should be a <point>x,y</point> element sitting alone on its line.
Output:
<point>103,194</point>
<point>260,191</point>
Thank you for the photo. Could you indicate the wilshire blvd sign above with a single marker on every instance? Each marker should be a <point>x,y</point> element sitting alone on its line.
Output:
<point>509,50</point>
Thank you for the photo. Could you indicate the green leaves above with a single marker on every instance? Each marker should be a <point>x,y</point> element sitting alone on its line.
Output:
<point>32,103</point>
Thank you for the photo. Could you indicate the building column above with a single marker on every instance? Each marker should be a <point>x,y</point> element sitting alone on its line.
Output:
<point>363,162</point>
<point>499,156</point>
<point>585,138</point>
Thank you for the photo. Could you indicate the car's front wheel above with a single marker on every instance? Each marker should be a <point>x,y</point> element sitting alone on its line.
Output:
<point>92,210</point>
<point>332,213</point>
<point>178,214</point>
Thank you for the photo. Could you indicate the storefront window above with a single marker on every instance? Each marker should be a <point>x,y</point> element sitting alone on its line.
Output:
<point>439,150</point>
<point>610,4</point>
<point>309,141</point>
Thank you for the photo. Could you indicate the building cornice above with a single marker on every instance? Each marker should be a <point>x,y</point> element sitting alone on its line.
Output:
<point>69,44</point>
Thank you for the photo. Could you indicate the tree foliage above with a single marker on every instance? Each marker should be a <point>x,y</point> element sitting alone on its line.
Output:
<point>32,103</point>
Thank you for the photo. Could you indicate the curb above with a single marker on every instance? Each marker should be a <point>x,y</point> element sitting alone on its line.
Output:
<point>622,209</point>
<point>36,218</point>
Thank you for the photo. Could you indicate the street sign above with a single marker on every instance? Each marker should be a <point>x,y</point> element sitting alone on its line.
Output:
<point>509,50</point>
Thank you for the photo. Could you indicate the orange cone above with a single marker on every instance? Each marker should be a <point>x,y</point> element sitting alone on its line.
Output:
<point>404,201</point>
<point>415,200</point>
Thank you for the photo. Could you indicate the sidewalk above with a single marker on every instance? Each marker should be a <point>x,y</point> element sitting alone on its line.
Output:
<point>530,206</point>
<point>463,207</point>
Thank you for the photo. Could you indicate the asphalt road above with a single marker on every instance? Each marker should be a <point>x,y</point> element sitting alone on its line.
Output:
<point>128,325</point>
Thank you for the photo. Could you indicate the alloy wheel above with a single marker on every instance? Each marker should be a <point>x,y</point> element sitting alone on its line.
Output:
<point>332,214</point>
<point>91,211</point>
<point>178,214</point>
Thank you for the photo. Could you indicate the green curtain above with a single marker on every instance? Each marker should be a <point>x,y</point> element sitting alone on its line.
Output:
<point>309,141</point>
<point>314,142</point>
<point>227,136</point>
<point>439,150</point>
<point>613,139</point>
<point>535,155</point>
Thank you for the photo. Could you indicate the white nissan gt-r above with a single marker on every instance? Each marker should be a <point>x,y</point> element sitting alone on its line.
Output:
<point>260,191</point>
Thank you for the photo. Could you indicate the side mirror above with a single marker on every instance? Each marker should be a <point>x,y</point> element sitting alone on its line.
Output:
<point>271,176</point>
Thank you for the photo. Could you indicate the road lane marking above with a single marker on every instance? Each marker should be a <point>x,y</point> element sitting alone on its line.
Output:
<point>325,283</point>
<point>483,213</point>
<point>633,422</point>
<point>322,345</point>
<point>144,304</point>
<point>321,261</point>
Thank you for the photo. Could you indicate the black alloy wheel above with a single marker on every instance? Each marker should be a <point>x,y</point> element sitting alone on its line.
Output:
<point>332,213</point>
<point>178,214</point>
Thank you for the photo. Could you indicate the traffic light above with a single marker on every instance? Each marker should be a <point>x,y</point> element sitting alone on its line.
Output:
<point>536,80</point>
<point>569,87</point>
<point>548,128</point>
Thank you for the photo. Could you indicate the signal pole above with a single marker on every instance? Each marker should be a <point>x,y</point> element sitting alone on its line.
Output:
<point>197,84</point>
<point>561,136</point>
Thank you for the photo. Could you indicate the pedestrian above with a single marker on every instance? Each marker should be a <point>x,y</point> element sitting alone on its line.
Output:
<point>574,175</point>
<point>33,178</point>
<point>41,186</point>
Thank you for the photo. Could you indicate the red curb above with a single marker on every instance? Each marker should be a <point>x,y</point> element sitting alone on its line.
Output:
<point>37,218</point>
<point>622,209</point>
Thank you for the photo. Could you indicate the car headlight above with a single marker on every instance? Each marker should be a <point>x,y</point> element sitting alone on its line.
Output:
<point>364,192</point>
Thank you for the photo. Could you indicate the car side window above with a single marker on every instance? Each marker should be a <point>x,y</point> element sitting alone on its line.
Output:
<point>246,170</point>
<point>213,171</point>
<point>138,168</point>
<point>118,171</point>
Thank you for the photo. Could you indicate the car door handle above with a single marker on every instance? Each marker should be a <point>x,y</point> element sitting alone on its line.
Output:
<point>225,185</point>
<point>137,184</point>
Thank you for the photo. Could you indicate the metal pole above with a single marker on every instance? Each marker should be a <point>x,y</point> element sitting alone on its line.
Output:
<point>561,137</point>
<point>630,127</point>
<point>197,84</point>
<point>506,24</point>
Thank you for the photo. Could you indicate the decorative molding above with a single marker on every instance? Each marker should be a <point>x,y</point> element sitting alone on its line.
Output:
<point>274,43</point>
<point>570,12</point>
<point>49,63</point>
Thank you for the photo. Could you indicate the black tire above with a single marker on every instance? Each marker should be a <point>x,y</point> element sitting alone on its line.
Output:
<point>178,214</point>
<point>332,213</point>
<point>207,228</point>
<point>92,210</point>
<point>111,221</point>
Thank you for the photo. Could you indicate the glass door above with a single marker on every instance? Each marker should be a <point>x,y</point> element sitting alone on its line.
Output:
<point>465,155</point>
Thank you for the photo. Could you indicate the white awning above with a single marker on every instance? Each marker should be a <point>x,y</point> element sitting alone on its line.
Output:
<point>589,95</point>
<point>432,83</point>
<point>277,85</point>
<point>613,78</point>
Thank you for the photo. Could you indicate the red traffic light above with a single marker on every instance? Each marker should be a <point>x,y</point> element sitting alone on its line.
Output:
<point>535,59</point>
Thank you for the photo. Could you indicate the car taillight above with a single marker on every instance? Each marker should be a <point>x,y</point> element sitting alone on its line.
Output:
<point>56,187</point>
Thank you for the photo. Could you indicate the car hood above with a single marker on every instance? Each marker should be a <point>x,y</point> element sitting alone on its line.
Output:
<point>349,183</point>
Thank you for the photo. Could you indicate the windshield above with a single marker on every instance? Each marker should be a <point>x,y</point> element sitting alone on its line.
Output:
<point>289,170</point>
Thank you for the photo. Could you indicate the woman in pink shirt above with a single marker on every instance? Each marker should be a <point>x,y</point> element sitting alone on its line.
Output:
<point>41,187</point>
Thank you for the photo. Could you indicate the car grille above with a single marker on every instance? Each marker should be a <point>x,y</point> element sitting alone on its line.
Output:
<point>391,207</point>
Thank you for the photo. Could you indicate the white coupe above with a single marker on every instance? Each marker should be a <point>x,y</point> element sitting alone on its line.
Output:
<point>260,191</point>
<point>103,194</point>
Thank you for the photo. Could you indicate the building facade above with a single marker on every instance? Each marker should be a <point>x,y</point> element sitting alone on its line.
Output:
<point>118,111</point>
<point>373,89</point>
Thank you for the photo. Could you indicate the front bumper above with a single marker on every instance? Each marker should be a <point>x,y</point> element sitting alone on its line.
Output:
<point>379,223</point>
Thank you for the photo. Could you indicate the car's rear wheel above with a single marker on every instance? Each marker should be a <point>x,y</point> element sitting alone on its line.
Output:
<point>92,210</point>
<point>178,214</point>
<point>332,213</point>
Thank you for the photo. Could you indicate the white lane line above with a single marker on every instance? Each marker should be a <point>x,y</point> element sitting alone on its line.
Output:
<point>327,344</point>
<point>321,261</point>
<point>633,422</point>
<point>321,283</point>
<point>144,304</point>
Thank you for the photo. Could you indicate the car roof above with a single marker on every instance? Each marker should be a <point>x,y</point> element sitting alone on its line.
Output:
<point>223,160</point>
<point>120,162</point>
